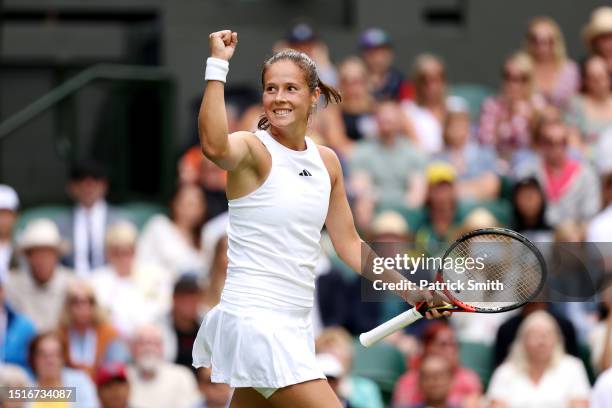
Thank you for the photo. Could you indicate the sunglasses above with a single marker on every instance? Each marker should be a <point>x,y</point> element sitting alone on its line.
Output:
<point>553,143</point>
<point>76,300</point>
<point>537,40</point>
<point>508,77</point>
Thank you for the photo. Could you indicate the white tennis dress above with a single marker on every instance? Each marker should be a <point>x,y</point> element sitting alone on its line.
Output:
<point>260,334</point>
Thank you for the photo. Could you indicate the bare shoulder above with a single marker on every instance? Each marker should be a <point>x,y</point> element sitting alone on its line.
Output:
<point>331,161</point>
<point>256,148</point>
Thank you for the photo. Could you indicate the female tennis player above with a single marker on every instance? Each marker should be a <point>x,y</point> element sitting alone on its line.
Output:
<point>282,188</point>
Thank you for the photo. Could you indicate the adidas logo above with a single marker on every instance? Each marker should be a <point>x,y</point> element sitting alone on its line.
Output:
<point>305,173</point>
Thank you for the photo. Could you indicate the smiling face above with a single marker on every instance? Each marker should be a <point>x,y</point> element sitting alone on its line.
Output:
<point>287,99</point>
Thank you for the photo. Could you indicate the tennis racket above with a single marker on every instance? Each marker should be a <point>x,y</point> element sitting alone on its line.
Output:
<point>507,272</point>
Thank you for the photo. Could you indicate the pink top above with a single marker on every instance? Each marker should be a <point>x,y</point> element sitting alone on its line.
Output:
<point>466,383</point>
<point>566,86</point>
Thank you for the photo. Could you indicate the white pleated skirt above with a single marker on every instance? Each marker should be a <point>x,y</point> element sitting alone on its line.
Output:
<point>257,346</point>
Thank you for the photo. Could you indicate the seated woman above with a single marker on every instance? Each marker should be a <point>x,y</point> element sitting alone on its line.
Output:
<point>428,111</point>
<point>555,75</point>
<point>352,121</point>
<point>475,165</point>
<point>529,208</point>
<point>439,339</point>
<point>89,341</point>
<point>538,372</point>
<point>361,392</point>
<point>174,243</point>
<point>591,111</point>
<point>49,369</point>
<point>506,119</point>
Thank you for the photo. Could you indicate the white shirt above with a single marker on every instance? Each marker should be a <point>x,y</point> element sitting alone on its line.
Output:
<point>84,219</point>
<point>6,251</point>
<point>602,391</point>
<point>130,301</point>
<point>172,386</point>
<point>558,386</point>
<point>162,244</point>
<point>427,126</point>
<point>600,227</point>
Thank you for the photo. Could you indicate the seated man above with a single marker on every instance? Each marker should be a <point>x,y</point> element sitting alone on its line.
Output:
<point>155,382</point>
<point>571,186</point>
<point>38,289</point>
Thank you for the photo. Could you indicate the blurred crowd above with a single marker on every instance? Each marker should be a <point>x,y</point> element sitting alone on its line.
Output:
<point>93,300</point>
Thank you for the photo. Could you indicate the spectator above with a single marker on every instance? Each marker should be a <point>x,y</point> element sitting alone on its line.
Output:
<point>132,292</point>
<point>154,382</point>
<point>89,341</point>
<point>302,37</point>
<point>441,207</point>
<point>601,337</point>
<point>181,325</point>
<point>47,364</point>
<point>384,80</point>
<point>174,243</point>
<point>428,111</point>
<point>333,370</point>
<point>529,209</point>
<point>598,34</point>
<point>195,169</point>
<point>9,204</point>
<point>475,165</point>
<point>602,391</point>
<point>387,170</point>
<point>591,111</point>
<point>113,386</point>
<point>571,187</point>
<point>214,395</point>
<point>38,289</point>
<point>555,75</point>
<point>86,225</point>
<point>538,372</point>
<point>506,119</point>
<point>600,227</point>
<point>17,332</point>
<point>353,120</point>
<point>12,376</point>
<point>508,331</point>
<point>439,339</point>
<point>361,392</point>
<point>435,381</point>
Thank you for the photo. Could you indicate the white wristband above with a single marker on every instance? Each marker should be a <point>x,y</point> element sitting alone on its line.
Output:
<point>216,69</point>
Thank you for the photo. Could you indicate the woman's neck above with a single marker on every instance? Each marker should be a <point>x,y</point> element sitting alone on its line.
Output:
<point>292,138</point>
<point>536,371</point>
<point>50,382</point>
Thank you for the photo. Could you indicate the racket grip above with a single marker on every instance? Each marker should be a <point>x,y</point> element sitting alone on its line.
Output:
<point>400,321</point>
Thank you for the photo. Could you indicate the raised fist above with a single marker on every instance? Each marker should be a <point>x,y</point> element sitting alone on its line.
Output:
<point>223,44</point>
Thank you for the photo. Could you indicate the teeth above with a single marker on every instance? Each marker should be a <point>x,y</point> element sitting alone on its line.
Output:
<point>282,112</point>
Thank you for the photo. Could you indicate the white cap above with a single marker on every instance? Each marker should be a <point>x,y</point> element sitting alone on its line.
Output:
<point>41,233</point>
<point>8,198</point>
<point>330,365</point>
<point>457,104</point>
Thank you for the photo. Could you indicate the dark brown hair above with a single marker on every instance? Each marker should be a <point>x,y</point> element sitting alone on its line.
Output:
<point>35,342</point>
<point>309,69</point>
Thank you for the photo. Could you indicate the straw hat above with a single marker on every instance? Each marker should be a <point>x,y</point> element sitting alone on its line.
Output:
<point>42,233</point>
<point>599,24</point>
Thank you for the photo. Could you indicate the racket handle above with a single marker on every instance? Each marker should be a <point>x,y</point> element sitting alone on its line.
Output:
<point>400,321</point>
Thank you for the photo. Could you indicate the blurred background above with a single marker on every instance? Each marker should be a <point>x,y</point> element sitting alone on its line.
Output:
<point>456,115</point>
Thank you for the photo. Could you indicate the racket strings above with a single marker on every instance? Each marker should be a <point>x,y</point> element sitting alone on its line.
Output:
<point>511,272</point>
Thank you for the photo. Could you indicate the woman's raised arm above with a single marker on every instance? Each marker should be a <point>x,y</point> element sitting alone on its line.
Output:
<point>227,151</point>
